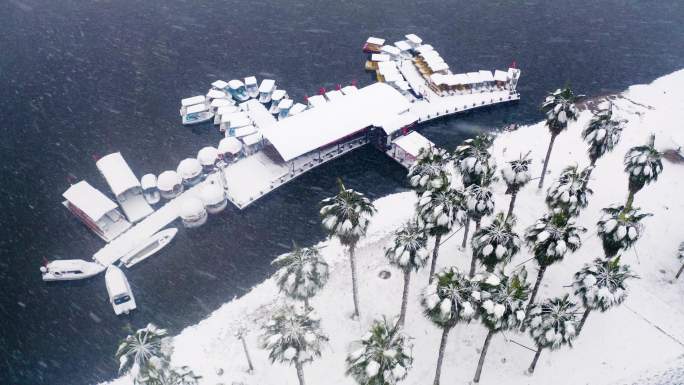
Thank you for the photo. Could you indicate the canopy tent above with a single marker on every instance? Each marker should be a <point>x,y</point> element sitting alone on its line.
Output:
<point>500,76</point>
<point>117,173</point>
<point>335,120</point>
<point>413,143</point>
<point>486,76</point>
<point>89,200</point>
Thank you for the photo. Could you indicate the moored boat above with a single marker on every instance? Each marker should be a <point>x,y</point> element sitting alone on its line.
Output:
<point>70,269</point>
<point>251,86</point>
<point>237,90</point>
<point>197,113</point>
<point>148,247</point>
<point>119,290</point>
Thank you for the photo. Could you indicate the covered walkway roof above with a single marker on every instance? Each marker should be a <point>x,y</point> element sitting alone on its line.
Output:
<point>332,121</point>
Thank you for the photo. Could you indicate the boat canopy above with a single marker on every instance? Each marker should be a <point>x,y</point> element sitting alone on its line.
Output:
<point>413,143</point>
<point>189,168</point>
<point>167,180</point>
<point>413,38</point>
<point>207,155</point>
<point>297,108</point>
<point>193,100</point>
<point>89,200</point>
<point>212,194</point>
<point>244,131</point>
<point>236,119</point>
<point>430,54</point>
<point>486,76</point>
<point>317,100</point>
<point>118,174</point>
<point>116,282</point>
<point>380,57</point>
<point>285,104</point>
<point>385,68</point>
<point>226,110</point>
<point>196,108</point>
<point>390,49</point>
<point>348,90</point>
<point>216,103</point>
<point>442,66</point>
<point>216,94</point>
<point>500,76</point>
<point>230,145</point>
<point>332,121</point>
<point>219,84</point>
<point>148,181</point>
<point>375,41</point>
<point>403,45</point>
<point>192,208</point>
<point>252,139</point>
<point>267,85</point>
<point>278,94</point>
<point>395,123</point>
<point>250,81</point>
<point>424,48</point>
<point>235,84</point>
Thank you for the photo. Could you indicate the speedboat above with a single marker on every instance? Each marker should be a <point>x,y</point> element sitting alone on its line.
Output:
<point>197,113</point>
<point>148,247</point>
<point>119,290</point>
<point>70,269</point>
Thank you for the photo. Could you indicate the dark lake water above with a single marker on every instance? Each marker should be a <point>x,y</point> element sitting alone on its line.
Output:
<point>84,78</point>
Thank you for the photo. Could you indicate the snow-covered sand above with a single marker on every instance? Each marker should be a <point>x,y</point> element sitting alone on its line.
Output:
<point>641,338</point>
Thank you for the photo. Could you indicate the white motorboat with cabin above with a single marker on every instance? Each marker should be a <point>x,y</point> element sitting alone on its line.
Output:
<point>119,290</point>
<point>148,247</point>
<point>191,101</point>
<point>251,86</point>
<point>266,90</point>
<point>125,186</point>
<point>197,113</point>
<point>70,269</point>
<point>237,90</point>
<point>276,97</point>
<point>284,108</point>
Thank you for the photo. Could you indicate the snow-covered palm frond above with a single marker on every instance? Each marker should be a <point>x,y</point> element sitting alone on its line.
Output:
<point>292,334</point>
<point>138,352</point>
<point>643,164</point>
<point>680,251</point>
<point>430,170</point>
<point>438,211</point>
<point>302,273</point>
<point>451,298</point>
<point>346,215</point>
<point>569,193</point>
<point>496,243</point>
<point>553,323</point>
<point>472,158</point>
<point>602,133</point>
<point>516,173</point>
<point>559,107</point>
<point>478,201</point>
<point>172,376</point>
<point>619,228</point>
<point>552,236</point>
<point>409,248</point>
<point>383,358</point>
<point>503,299</point>
<point>601,284</point>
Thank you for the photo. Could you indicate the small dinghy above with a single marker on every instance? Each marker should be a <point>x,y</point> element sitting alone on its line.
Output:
<point>149,247</point>
<point>119,290</point>
<point>70,269</point>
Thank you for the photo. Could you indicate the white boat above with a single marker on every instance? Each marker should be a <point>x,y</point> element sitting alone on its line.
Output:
<point>197,113</point>
<point>119,290</point>
<point>148,247</point>
<point>70,269</point>
<point>237,90</point>
<point>265,90</point>
<point>251,86</point>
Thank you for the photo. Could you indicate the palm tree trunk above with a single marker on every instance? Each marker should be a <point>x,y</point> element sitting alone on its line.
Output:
<point>514,195</point>
<point>300,372</point>
<point>584,318</point>
<point>630,200</point>
<point>465,232</point>
<point>591,168</point>
<point>435,252</point>
<point>473,261</point>
<point>546,161</point>
<point>482,355</point>
<point>404,297</point>
<point>530,370</point>
<point>355,289</point>
<point>680,271</point>
<point>440,357</point>
<point>533,295</point>
<point>306,304</point>
<point>249,360</point>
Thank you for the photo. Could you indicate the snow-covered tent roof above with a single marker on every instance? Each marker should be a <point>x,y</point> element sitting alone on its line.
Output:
<point>230,145</point>
<point>413,143</point>
<point>196,108</point>
<point>192,207</point>
<point>375,40</point>
<point>148,181</point>
<point>193,100</point>
<point>235,84</point>
<point>390,49</point>
<point>333,95</point>
<point>297,108</point>
<point>303,133</point>
<point>212,194</point>
<point>189,168</point>
<point>348,90</point>
<point>252,139</point>
<point>167,180</point>
<point>395,123</point>
<point>317,100</point>
<point>413,38</point>
<point>402,45</point>
<point>89,200</point>
<point>380,57</point>
<point>118,174</point>
<point>216,94</point>
<point>250,81</point>
<point>207,155</point>
<point>500,76</point>
<point>267,85</point>
<point>486,76</point>
<point>220,84</point>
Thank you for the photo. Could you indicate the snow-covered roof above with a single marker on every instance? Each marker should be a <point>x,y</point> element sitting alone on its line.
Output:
<point>375,40</point>
<point>441,66</point>
<point>413,38</point>
<point>167,180</point>
<point>413,143</point>
<point>387,67</point>
<point>430,54</point>
<point>474,77</point>
<point>390,49</point>
<point>207,155</point>
<point>148,181</point>
<point>285,104</point>
<point>333,95</point>
<point>402,45</point>
<point>380,57</point>
<point>267,85</point>
<point>216,94</point>
<point>424,48</point>
<point>189,168</point>
<point>196,108</point>
<point>348,90</point>
<point>89,200</point>
<point>297,108</point>
<point>393,77</point>
<point>500,76</point>
<point>220,84</point>
<point>226,110</point>
<point>118,174</point>
<point>278,94</point>
<point>252,139</point>
<point>395,123</point>
<point>403,85</point>
<point>244,131</point>
<point>212,194</point>
<point>317,100</point>
<point>193,100</point>
<point>314,128</point>
<point>229,145</point>
<point>235,84</point>
<point>250,81</point>
<point>486,76</point>
<point>236,119</point>
<point>216,103</point>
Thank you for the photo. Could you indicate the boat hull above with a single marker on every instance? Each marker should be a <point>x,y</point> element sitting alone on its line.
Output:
<point>149,247</point>
<point>76,269</point>
<point>119,290</point>
<point>201,118</point>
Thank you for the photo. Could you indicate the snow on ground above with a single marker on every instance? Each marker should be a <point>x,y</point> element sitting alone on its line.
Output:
<point>642,338</point>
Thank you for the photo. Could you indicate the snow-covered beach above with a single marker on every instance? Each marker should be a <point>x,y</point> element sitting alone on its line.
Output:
<point>641,338</point>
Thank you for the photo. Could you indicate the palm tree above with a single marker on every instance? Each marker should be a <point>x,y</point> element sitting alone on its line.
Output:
<point>302,273</point>
<point>602,134</point>
<point>293,336</point>
<point>346,217</point>
<point>619,228</point>
<point>559,107</point>
<point>496,243</point>
<point>138,353</point>
<point>502,306</point>
<point>601,285</point>
<point>409,253</point>
<point>384,357</point>
<point>516,174</point>
<point>438,212</point>
<point>569,193</point>
<point>550,238</point>
<point>240,334</point>
<point>478,202</point>
<point>643,165</point>
<point>446,302</point>
<point>430,170</point>
<point>680,255</point>
<point>552,325</point>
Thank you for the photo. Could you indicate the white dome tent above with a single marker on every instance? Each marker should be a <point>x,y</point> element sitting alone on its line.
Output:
<point>169,184</point>
<point>207,157</point>
<point>214,198</point>
<point>192,212</point>
<point>149,187</point>
<point>190,170</point>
